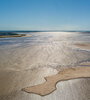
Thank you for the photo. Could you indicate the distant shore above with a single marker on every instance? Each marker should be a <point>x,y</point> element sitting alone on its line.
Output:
<point>7,36</point>
<point>11,34</point>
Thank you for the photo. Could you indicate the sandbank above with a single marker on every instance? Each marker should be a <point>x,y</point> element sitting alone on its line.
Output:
<point>83,45</point>
<point>67,74</point>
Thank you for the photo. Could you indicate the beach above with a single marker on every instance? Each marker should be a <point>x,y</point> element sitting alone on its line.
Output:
<point>26,61</point>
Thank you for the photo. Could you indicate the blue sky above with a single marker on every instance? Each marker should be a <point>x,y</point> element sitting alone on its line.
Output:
<point>44,14</point>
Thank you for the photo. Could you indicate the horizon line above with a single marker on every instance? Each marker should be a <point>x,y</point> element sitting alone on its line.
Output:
<point>44,30</point>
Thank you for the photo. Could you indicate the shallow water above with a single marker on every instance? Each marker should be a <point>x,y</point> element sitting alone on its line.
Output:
<point>47,49</point>
<point>26,61</point>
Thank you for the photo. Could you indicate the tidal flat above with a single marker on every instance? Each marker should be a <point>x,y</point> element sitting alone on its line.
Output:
<point>26,61</point>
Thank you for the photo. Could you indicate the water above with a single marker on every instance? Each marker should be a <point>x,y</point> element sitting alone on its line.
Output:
<point>43,49</point>
<point>25,61</point>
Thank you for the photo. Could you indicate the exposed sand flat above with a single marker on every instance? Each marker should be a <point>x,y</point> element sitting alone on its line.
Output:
<point>66,74</point>
<point>83,45</point>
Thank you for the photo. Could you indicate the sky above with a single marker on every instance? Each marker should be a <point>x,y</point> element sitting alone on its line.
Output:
<point>44,14</point>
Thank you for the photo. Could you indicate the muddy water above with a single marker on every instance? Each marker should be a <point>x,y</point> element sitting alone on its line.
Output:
<point>26,61</point>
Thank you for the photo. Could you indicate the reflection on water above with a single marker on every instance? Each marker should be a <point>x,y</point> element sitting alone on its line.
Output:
<point>26,61</point>
<point>43,49</point>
